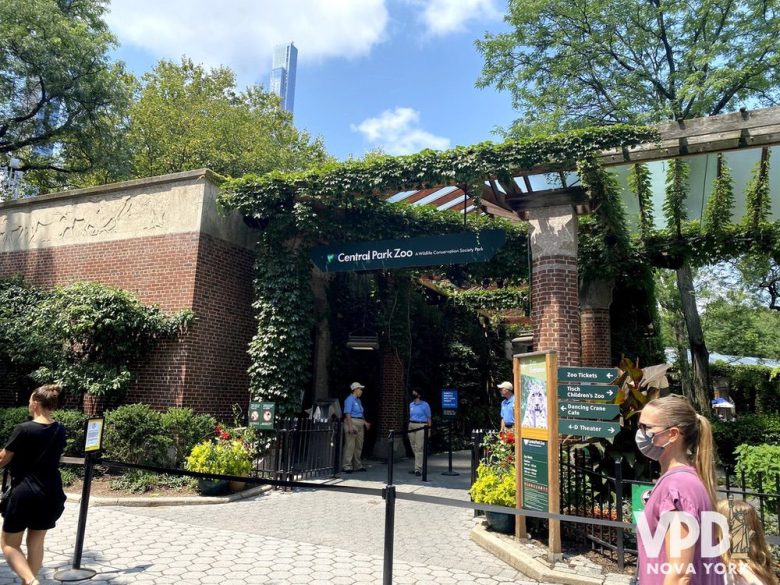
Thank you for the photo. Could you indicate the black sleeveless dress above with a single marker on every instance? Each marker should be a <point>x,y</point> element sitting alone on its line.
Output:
<point>37,499</point>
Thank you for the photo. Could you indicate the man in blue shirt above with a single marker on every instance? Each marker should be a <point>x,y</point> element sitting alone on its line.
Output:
<point>355,427</point>
<point>419,417</point>
<point>507,405</point>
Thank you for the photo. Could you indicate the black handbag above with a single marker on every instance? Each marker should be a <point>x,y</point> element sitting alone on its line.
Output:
<point>5,496</point>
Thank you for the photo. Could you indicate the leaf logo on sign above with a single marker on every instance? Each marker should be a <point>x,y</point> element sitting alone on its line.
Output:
<point>331,258</point>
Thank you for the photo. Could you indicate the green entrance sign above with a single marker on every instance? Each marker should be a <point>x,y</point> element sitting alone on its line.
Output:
<point>587,428</point>
<point>261,415</point>
<point>536,489</point>
<point>586,392</point>
<point>588,410</point>
<point>589,375</point>
<point>639,494</point>
<point>460,248</point>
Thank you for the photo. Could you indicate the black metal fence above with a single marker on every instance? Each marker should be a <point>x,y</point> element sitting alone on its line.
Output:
<point>598,491</point>
<point>301,448</point>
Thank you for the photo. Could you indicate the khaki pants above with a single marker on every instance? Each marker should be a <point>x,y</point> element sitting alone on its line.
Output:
<point>353,444</point>
<point>417,441</point>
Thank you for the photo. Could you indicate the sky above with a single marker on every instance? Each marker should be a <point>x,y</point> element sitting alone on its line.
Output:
<point>392,74</point>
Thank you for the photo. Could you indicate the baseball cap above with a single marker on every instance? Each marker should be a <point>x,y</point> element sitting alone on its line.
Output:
<point>356,385</point>
<point>506,386</point>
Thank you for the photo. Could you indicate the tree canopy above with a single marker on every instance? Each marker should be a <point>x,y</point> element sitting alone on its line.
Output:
<point>189,117</point>
<point>585,62</point>
<point>59,91</point>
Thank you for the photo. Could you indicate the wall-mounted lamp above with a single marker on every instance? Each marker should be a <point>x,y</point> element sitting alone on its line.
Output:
<point>363,342</point>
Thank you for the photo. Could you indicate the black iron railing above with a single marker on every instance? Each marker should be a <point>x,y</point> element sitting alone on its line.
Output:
<point>301,448</point>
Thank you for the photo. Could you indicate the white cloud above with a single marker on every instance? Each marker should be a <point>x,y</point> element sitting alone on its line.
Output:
<point>397,132</point>
<point>442,17</point>
<point>242,33</point>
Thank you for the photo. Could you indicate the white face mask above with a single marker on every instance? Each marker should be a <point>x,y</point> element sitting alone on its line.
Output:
<point>644,441</point>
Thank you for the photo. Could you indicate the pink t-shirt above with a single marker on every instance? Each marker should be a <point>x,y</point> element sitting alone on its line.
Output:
<point>679,489</point>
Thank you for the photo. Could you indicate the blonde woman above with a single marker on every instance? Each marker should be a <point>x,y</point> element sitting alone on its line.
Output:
<point>748,557</point>
<point>37,501</point>
<point>672,433</point>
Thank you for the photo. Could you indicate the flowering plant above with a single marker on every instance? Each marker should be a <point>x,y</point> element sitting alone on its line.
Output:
<point>499,451</point>
<point>226,457</point>
<point>493,487</point>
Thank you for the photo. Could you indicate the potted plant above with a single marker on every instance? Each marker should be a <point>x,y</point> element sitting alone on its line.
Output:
<point>223,457</point>
<point>495,484</point>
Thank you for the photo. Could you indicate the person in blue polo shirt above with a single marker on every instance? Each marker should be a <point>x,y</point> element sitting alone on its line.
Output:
<point>419,417</point>
<point>507,405</point>
<point>355,427</point>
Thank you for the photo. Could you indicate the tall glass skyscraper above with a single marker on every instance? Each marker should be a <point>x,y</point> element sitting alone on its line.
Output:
<point>283,74</point>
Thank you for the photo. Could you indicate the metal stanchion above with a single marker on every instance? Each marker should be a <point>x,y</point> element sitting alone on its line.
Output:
<point>426,430</point>
<point>390,457</point>
<point>387,572</point>
<point>449,464</point>
<point>621,552</point>
<point>76,572</point>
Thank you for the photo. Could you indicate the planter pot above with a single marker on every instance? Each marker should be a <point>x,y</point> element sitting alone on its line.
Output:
<point>237,486</point>
<point>212,487</point>
<point>500,522</point>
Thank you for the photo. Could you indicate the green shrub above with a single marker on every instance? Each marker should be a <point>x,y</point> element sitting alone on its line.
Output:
<point>9,418</point>
<point>746,430</point>
<point>495,488</point>
<point>186,429</point>
<point>69,476</point>
<point>73,421</point>
<point>759,461</point>
<point>139,481</point>
<point>134,434</point>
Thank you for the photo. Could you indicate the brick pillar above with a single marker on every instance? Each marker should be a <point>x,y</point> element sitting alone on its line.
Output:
<point>596,338</point>
<point>392,402</point>
<point>554,294</point>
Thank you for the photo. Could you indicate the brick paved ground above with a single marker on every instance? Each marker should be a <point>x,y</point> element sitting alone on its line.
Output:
<point>313,537</point>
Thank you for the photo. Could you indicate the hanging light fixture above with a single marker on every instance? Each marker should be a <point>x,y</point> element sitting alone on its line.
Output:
<point>368,341</point>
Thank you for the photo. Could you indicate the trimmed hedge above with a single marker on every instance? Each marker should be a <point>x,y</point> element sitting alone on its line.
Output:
<point>73,420</point>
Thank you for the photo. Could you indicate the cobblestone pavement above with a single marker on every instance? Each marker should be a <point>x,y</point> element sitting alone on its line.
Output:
<point>304,537</point>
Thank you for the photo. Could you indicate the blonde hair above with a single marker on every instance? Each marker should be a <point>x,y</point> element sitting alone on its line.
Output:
<point>696,432</point>
<point>745,528</point>
<point>47,396</point>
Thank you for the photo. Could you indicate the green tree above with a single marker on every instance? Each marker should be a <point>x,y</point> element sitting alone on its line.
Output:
<point>187,117</point>
<point>59,92</point>
<point>585,62</point>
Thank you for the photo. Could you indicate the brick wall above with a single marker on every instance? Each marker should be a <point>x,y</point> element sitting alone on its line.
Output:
<point>595,335</point>
<point>207,368</point>
<point>555,307</point>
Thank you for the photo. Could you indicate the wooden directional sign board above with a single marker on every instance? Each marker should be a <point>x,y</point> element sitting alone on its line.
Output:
<point>588,410</point>
<point>586,392</point>
<point>589,428</point>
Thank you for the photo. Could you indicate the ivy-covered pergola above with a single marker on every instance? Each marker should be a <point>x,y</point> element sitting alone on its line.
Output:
<point>346,202</point>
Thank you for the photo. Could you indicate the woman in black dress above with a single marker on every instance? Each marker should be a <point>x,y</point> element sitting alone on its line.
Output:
<point>33,453</point>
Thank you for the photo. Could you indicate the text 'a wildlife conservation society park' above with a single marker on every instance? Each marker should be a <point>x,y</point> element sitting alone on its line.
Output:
<point>460,248</point>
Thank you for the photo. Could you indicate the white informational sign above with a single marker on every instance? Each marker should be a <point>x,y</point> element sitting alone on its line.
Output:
<point>94,435</point>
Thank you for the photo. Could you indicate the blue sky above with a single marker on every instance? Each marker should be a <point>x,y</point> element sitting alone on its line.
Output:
<point>393,74</point>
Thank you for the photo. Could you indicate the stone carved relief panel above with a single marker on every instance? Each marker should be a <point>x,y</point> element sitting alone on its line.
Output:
<point>553,231</point>
<point>102,217</point>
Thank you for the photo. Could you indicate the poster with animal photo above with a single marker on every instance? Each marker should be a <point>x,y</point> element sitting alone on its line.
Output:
<point>533,382</point>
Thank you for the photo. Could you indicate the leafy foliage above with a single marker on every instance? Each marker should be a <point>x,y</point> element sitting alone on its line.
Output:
<point>676,192</point>
<point>187,117</point>
<point>573,63</point>
<point>720,205</point>
<point>57,86</point>
<point>84,336</point>
<point>494,488</point>
<point>134,434</point>
<point>746,430</point>
<point>757,194</point>
<point>230,457</point>
<point>499,299</point>
<point>186,429</point>
<point>139,481</point>
<point>759,463</point>
<point>639,183</point>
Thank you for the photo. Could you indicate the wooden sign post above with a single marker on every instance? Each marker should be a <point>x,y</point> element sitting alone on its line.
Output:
<point>536,441</point>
